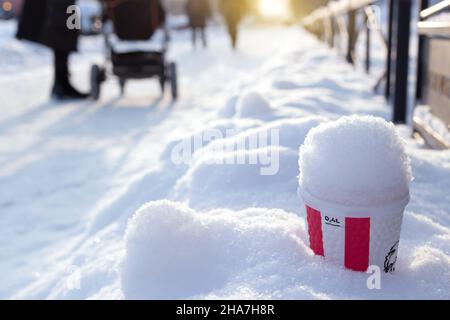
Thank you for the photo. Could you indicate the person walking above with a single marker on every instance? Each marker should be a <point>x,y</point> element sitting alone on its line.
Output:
<point>198,12</point>
<point>233,12</point>
<point>45,22</point>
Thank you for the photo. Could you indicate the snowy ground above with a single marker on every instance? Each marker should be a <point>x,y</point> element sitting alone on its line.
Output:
<point>72,175</point>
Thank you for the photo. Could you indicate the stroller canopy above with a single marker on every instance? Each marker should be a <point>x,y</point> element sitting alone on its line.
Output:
<point>137,19</point>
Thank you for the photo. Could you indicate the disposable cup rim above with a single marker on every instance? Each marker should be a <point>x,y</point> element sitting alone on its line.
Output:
<point>391,208</point>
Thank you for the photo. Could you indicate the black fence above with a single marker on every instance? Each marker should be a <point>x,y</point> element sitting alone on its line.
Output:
<point>339,19</point>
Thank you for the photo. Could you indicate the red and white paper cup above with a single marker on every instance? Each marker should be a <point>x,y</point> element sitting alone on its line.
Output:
<point>355,237</point>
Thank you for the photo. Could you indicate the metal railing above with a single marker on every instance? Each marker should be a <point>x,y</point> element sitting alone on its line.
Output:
<point>339,18</point>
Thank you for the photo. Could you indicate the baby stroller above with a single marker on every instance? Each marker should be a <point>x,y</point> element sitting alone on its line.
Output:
<point>134,20</point>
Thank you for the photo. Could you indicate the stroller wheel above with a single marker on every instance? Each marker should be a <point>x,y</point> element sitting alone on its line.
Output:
<point>97,76</point>
<point>122,83</point>
<point>162,82</point>
<point>173,80</point>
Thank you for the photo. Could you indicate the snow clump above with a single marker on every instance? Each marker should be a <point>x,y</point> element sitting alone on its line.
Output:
<point>355,161</point>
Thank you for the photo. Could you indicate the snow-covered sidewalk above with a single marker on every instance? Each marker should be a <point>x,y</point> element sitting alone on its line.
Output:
<point>73,175</point>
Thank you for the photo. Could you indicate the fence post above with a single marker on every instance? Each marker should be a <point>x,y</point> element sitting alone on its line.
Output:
<point>351,35</point>
<point>332,31</point>
<point>403,18</point>
<point>368,35</point>
<point>421,56</point>
<point>387,93</point>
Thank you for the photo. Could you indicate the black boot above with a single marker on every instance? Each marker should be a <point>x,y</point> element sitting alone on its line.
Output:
<point>67,92</point>
<point>62,89</point>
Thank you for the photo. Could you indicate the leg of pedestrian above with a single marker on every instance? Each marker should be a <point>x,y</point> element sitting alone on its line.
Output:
<point>204,40</point>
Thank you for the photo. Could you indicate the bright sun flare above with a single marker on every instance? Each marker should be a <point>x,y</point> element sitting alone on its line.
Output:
<point>274,8</point>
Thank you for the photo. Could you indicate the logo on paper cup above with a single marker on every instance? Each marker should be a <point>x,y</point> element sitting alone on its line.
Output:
<point>391,259</point>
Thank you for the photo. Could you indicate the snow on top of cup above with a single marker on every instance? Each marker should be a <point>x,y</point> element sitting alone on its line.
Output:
<point>355,161</point>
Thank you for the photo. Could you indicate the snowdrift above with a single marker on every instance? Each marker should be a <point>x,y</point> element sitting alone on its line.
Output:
<point>202,228</point>
<point>175,252</point>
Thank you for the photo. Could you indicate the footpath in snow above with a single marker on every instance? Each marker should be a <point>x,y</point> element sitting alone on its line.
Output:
<point>108,200</point>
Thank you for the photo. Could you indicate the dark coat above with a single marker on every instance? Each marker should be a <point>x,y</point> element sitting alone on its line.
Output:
<point>198,12</point>
<point>44,22</point>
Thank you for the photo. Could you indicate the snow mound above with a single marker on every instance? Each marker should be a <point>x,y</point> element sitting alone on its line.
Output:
<point>284,85</point>
<point>239,169</point>
<point>229,109</point>
<point>175,252</point>
<point>253,105</point>
<point>355,161</point>
<point>290,132</point>
<point>213,181</point>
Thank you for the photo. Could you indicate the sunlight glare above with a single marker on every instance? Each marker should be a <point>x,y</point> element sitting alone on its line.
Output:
<point>274,9</point>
